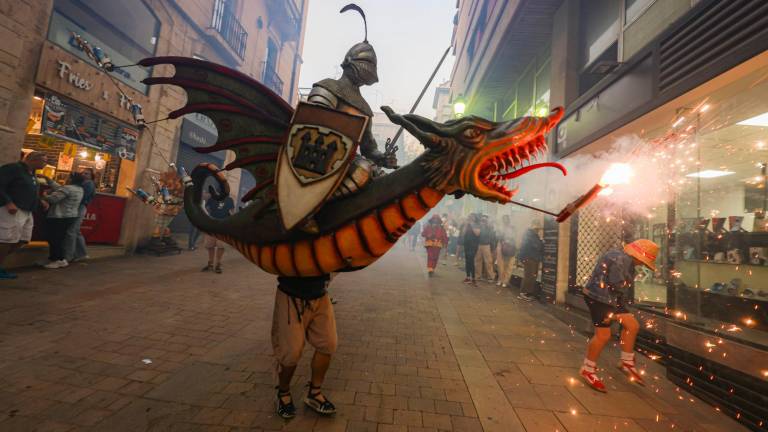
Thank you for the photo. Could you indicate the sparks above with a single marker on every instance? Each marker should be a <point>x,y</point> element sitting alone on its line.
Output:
<point>617,174</point>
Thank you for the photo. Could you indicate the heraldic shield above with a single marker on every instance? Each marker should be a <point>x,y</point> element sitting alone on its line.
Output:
<point>314,160</point>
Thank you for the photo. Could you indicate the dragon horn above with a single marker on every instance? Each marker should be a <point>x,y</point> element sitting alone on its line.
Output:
<point>357,8</point>
<point>427,139</point>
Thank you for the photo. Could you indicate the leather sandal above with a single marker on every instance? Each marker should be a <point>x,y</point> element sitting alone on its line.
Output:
<point>324,406</point>
<point>285,410</point>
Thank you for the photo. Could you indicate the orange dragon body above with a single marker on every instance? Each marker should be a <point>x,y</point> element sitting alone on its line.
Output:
<point>470,155</point>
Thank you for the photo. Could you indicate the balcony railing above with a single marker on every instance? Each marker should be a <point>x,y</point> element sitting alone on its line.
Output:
<point>273,81</point>
<point>226,23</point>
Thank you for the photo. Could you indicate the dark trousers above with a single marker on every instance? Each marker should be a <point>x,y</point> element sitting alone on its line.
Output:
<point>56,231</point>
<point>530,271</point>
<point>469,261</point>
<point>194,234</point>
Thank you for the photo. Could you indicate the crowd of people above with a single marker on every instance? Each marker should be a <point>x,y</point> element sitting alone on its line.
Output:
<point>22,193</point>
<point>488,251</point>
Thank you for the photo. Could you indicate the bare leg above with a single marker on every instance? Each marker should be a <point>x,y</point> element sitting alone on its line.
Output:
<point>7,249</point>
<point>219,254</point>
<point>211,255</point>
<point>598,342</point>
<point>285,375</point>
<point>320,364</point>
<point>629,329</point>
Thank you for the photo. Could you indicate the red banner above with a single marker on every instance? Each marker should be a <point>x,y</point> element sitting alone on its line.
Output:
<point>103,219</point>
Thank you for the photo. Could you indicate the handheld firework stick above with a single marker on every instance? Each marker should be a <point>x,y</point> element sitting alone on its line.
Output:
<point>578,203</point>
<point>618,173</point>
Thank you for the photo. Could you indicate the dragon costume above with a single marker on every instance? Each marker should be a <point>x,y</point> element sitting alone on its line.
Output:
<point>469,155</point>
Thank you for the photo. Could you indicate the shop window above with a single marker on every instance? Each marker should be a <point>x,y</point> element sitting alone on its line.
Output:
<point>721,257</point>
<point>711,218</point>
<point>126,30</point>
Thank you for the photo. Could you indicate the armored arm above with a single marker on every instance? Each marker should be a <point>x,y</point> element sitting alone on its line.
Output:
<point>321,96</point>
<point>370,149</point>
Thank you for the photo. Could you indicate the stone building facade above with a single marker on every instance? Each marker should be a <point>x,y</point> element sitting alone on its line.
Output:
<point>39,65</point>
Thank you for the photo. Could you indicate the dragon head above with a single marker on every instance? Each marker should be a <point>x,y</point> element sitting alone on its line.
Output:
<point>477,156</point>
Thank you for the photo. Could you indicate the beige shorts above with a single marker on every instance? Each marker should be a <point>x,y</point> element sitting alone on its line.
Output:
<point>15,228</point>
<point>212,242</point>
<point>317,326</point>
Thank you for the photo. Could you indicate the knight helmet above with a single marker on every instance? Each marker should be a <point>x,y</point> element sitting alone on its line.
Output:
<point>360,64</point>
<point>360,61</point>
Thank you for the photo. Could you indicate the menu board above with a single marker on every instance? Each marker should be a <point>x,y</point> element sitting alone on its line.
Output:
<point>549,263</point>
<point>72,122</point>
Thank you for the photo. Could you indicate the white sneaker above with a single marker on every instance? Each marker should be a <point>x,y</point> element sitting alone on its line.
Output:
<point>56,264</point>
<point>80,259</point>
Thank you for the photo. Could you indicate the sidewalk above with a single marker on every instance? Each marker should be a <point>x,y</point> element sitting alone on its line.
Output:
<point>146,343</point>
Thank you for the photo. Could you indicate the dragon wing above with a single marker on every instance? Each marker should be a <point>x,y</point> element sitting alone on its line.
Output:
<point>251,119</point>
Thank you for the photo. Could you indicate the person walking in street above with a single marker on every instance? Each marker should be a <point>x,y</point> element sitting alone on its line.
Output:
<point>64,209</point>
<point>505,251</point>
<point>74,242</point>
<point>471,236</point>
<point>530,255</point>
<point>217,209</point>
<point>303,313</point>
<point>194,235</point>
<point>435,239</point>
<point>484,258</point>
<point>607,294</point>
<point>18,199</point>
<point>413,235</point>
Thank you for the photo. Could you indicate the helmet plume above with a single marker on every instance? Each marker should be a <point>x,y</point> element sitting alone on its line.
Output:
<point>357,8</point>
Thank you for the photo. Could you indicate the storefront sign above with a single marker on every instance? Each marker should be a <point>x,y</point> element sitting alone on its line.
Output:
<point>66,73</point>
<point>67,120</point>
<point>80,80</point>
<point>103,219</point>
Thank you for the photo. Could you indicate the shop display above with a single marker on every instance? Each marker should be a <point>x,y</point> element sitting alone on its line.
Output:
<point>67,120</point>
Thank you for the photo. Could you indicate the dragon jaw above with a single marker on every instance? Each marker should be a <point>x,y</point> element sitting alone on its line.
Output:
<point>476,156</point>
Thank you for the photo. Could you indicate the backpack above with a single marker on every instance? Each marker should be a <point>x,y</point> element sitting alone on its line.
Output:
<point>508,249</point>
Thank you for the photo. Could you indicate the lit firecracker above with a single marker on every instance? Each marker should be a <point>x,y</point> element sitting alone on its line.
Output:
<point>617,174</point>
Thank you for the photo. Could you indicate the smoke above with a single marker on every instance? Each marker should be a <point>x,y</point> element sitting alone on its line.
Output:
<point>649,188</point>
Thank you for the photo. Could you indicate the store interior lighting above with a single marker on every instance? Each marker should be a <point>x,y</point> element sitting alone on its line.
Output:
<point>84,154</point>
<point>710,174</point>
<point>758,120</point>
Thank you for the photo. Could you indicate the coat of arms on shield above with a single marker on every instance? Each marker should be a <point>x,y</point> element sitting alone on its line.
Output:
<point>314,159</point>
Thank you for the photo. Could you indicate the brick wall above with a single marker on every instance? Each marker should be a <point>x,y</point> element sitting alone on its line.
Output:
<point>23,25</point>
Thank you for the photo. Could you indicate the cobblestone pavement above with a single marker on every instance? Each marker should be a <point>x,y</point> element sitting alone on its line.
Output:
<point>152,344</point>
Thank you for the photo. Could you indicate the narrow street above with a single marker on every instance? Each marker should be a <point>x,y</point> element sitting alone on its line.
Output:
<point>152,344</point>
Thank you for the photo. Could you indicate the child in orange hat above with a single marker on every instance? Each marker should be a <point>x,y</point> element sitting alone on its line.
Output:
<point>606,296</point>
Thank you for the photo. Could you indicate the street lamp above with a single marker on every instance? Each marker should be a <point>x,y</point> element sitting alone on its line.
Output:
<point>459,106</point>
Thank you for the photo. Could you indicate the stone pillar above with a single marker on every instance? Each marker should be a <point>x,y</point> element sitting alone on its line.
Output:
<point>23,28</point>
<point>564,89</point>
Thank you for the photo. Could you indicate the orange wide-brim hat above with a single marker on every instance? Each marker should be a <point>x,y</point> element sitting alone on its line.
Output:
<point>644,251</point>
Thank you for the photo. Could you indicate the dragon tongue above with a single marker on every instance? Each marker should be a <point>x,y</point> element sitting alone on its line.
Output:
<point>532,167</point>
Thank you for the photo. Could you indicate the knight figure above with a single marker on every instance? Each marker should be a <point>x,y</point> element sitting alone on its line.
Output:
<point>343,94</point>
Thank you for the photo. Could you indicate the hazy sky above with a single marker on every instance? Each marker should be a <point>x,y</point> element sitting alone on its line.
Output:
<point>409,37</point>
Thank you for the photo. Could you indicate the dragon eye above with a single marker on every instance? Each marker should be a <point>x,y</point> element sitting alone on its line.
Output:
<point>472,133</point>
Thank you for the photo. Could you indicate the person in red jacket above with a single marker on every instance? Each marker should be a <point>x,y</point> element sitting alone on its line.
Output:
<point>435,238</point>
